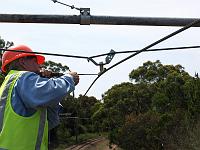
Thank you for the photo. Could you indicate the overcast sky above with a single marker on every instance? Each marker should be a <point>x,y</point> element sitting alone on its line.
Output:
<point>97,39</point>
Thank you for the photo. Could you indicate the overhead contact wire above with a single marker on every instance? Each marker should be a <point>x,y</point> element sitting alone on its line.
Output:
<point>104,54</point>
<point>145,49</point>
<point>51,54</point>
<point>95,56</point>
<point>152,50</point>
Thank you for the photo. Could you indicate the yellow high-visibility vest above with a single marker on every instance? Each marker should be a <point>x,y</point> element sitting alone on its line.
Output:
<point>19,132</point>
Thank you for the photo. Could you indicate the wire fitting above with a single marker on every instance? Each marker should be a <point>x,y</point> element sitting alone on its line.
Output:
<point>84,13</point>
<point>85,16</point>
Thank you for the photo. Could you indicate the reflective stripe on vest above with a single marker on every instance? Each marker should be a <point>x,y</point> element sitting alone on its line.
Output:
<point>41,129</point>
<point>42,115</point>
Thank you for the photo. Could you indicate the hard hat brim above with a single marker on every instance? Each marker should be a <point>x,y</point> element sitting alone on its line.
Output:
<point>40,59</point>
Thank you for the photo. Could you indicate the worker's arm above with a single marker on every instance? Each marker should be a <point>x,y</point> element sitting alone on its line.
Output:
<point>36,91</point>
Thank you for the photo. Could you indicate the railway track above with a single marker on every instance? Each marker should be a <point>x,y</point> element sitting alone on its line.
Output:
<point>86,144</point>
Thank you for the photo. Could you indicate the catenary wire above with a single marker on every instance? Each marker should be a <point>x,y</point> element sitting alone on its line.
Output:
<point>51,54</point>
<point>95,56</point>
<point>144,49</point>
<point>149,50</point>
<point>104,54</point>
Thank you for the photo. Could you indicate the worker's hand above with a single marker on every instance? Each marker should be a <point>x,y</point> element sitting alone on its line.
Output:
<point>75,77</point>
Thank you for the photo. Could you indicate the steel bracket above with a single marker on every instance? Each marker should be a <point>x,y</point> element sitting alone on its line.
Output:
<point>85,16</point>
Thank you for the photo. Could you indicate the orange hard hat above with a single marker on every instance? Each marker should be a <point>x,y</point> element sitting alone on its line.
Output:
<point>9,56</point>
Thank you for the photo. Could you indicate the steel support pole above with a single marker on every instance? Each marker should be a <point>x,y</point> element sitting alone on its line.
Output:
<point>95,20</point>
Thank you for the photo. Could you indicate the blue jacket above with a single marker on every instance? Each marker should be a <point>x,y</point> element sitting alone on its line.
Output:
<point>32,91</point>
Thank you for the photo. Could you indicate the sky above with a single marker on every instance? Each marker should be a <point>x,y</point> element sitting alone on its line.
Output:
<point>89,40</point>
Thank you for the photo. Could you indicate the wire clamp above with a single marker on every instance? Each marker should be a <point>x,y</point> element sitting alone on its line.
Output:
<point>102,69</point>
<point>85,16</point>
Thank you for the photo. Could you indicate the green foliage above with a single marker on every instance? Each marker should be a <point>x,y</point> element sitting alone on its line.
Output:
<point>160,102</point>
<point>118,102</point>
<point>78,113</point>
<point>55,67</point>
<point>118,97</point>
<point>159,111</point>
<point>137,132</point>
<point>192,96</point>
<point>155,131</point>
<point>63,133</point>
<point>86,105</point>
<point>152,72</point>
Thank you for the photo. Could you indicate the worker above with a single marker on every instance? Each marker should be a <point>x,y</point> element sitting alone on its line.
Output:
<point>29,100</point>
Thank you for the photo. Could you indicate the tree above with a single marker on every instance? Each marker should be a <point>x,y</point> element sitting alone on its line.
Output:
<point>192,96</point>
<point>136,133</point>
<point>55,67</point>
<point>80,108</point>
<point>152,72</point>
<point>119,101</point>
<point>85,105</point>
<point>155,111</point>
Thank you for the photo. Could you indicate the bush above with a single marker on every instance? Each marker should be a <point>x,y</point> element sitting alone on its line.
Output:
<point>140,132</point>
<point>155,131</point>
